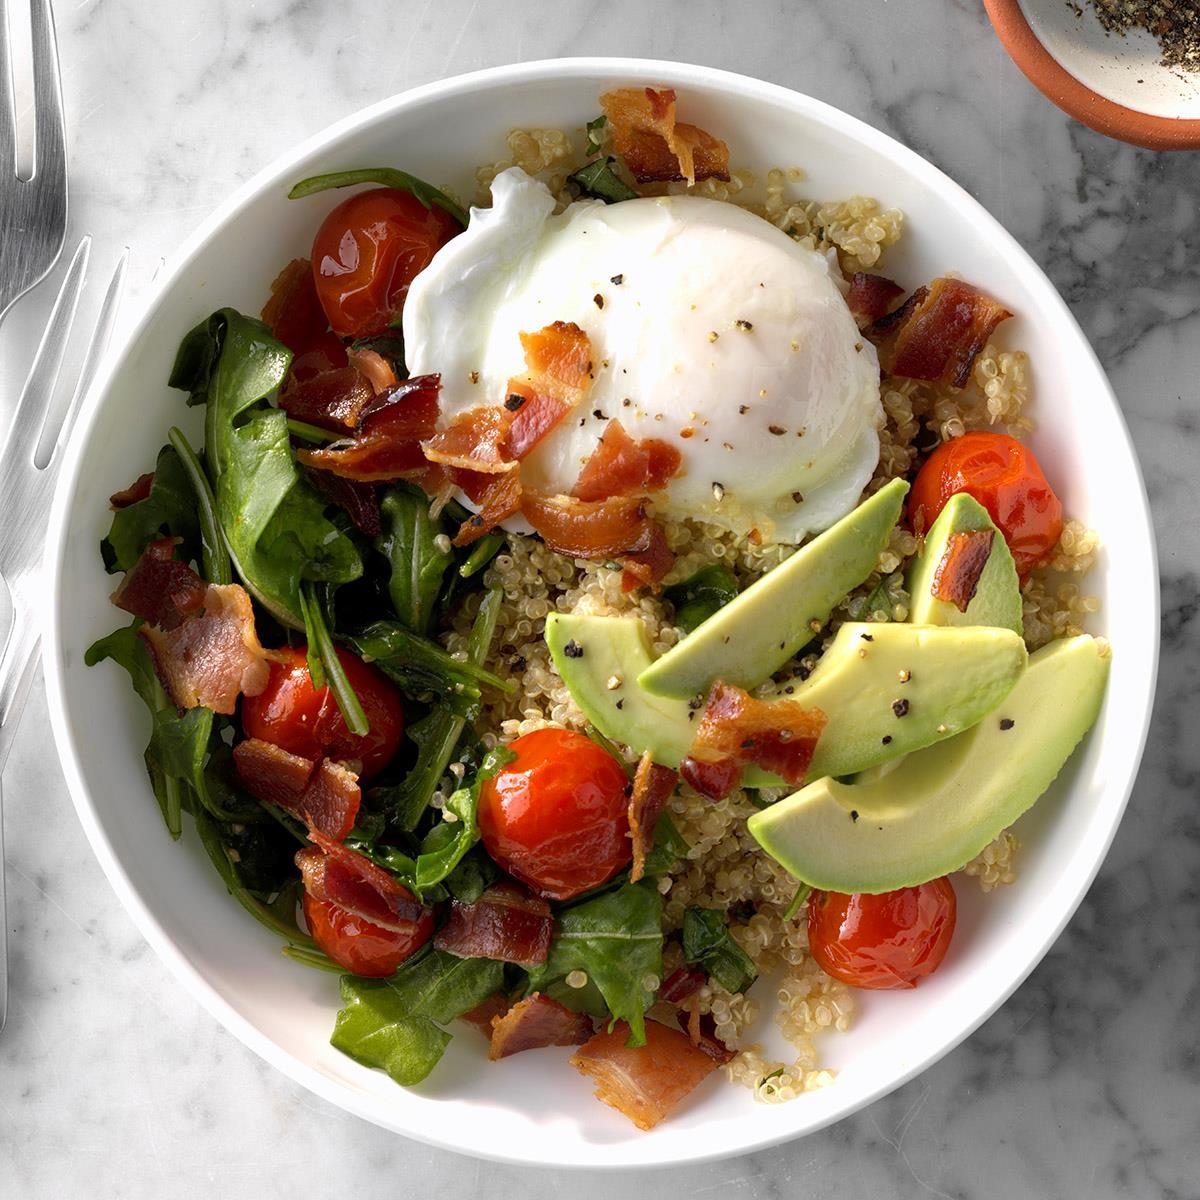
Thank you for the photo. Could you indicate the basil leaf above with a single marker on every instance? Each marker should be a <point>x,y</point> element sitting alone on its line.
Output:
<point>708,942</point>
<point>617,940</point>
<point>417,565</point>
<point>388,177</point>
<point>169,510</point>
<point>394,1024</point>
<point>697,598</point>
<point>598,179</point>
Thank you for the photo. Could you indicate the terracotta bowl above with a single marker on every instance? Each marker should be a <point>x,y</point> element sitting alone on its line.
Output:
<point>1115,84</point>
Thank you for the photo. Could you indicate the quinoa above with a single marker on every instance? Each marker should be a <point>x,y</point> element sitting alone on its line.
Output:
<point>724,868</point>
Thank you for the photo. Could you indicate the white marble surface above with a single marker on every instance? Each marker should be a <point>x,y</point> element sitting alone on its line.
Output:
<point>113,1082</point>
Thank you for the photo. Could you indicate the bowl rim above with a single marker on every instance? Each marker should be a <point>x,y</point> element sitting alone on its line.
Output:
<point>1075,98</point>
<point>277,171</point>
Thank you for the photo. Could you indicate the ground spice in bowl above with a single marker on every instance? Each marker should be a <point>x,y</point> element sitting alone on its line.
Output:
<point>1175,23</point>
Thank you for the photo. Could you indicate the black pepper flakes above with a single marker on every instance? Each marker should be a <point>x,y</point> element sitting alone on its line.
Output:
<point>598,300</point>
<point>573,649</point>
<point>900,708</point>
<point>514,402</point>
<point>867,637</point>
<point>887,739</point>
<point>744,326</point>
<point>743,409</point>
<point>617,279</point>
<point>854,815</point>
<point>748,744</point>
<point>1006,723</point>
<point>777,430</point>
<point>620,704</point>
<point>797,497</point>
<point>597,414</point>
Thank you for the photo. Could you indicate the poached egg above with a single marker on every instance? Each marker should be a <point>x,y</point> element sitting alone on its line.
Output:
<point>710,329</point>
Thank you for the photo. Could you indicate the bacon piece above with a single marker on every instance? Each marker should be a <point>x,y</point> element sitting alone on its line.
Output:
<point>559,358</point>
<point>333,399</point>
<point>682,983</point>
<point>647,563</point>
<point>296,319</point>
<point>359,501</point>
<point>505,923</point>
<point>387,440</point>
<point>535,1022</point>
<point>374,368</point>
<point>619,466</point>
<point>482,1015</point>
<point>214,656</point>
<point>702,1033</point>
<point>324,795</point>
<point>647,1082</point>
<point>158,587</point>
<point>139,489</point>
<point>652,788</point>
<point>957,575</point>
<point>941,335</point>
<point>871,296</point>
<point>476,440</point>
<point>499,500</point>
<point>342,876</point>
<point>657,147</point>
<point>778,735</point>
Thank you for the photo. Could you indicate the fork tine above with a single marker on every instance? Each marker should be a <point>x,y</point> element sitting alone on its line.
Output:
<point>50,160</point>
<point>55,434</point>
<point>43,375</point>
<point>8,110</point>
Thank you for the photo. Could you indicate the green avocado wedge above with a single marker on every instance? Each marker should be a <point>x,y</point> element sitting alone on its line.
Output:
<point>939,808</point>
<point>951,679</point>
<point>754,635</point>
<point>997,598</point>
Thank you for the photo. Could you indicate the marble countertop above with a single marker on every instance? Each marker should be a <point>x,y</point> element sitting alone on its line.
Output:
<point>1087,1082</point>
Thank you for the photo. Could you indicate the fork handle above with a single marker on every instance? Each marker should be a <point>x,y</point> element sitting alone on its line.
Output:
<point>3,922</point>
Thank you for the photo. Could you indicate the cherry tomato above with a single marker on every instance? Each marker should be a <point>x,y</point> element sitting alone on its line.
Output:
<point>367,252</point>
<point>557,816</point>
<point>297,319</point>
<point>361,946</point>
<point>304,720</point>
<point>1006,479</point>
<point>885,941</point>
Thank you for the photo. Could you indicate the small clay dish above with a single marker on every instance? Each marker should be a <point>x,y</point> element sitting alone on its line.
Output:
<point>1116,84</point>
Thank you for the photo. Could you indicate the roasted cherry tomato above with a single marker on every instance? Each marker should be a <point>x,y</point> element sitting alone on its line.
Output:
<point>885,941</point>
<point>361,946</point>
<point>304,720</point>
<point>557,816</point>
<point>1006,479</point>
<point>367,252</point>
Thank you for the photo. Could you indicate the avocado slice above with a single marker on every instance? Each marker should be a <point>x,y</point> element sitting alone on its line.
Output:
<point>938,809</point>
<point>753,636</point>
<point>997,599</point>
<point>954,678</point>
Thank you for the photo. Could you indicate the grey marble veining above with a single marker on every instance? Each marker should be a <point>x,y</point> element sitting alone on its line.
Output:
<point>1087,1083</point>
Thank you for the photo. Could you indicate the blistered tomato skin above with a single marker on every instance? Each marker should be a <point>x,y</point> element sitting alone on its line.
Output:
<point>368,251</point>
<point>1006,478</point>
<point>361,946</point>
<point>292,714</point>
<point>556,817</point>
<point>887,941</point>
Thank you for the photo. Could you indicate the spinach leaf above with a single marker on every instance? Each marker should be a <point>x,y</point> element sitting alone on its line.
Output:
<point>616,939</point>
<point>598,179</point>
<point>697,598</point>
<point>388,177</point>
<point>417,565</point>
<point>708,942</point>
<point>169,509</point>
<point>437,734</point>
<point>394,1024</point>
<point>273,522</point>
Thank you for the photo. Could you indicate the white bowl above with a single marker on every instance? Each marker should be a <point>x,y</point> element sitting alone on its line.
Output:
<point>534,1108</point>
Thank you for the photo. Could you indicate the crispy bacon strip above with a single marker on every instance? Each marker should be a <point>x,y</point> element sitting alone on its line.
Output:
<point>334,399</point>
<point>682,983</point>
<point>702,1033</point>
<point>359,501</point>
<point>647,563</point>
<point>506,923</point>
<point>655,146</point>
<point>648,1082</point>
<point>778,735</point>
<point>619,466</point>
<point>158,587</point>
<point>476,440</point>
<point>535,1022</point>
<point>387,439</point>
<point>374,368</point>
<point>499,500</point>
<point>957,575</point>
<point>940,331</point>
<point>871,296</point>
<point>559,358</point>
<point>214,656</point>
<point>482,1015</point>
<point>350,880</point>
<point>652,788</point>
<point>139,489</point>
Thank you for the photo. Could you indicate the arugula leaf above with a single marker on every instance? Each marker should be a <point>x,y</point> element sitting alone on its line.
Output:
<point>274,523</point>
<point>388,177</point>
<point>394,1024</point>
<point>598,179</point>
<point>471,878</point>
<point>797,902</point>
<point>482,553</point>
<point>594,142</point>
<point>417,565</point>
<point>701,595</point>
<point>331,670</point>
<point>169,509</point>
<point>215,558</point>
<point>708,942</point>
<point>670,846</point>
<point>617,940</point>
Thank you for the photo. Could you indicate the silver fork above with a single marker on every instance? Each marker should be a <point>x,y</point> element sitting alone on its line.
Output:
<point>29,466</point>
<point>33,212</point>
